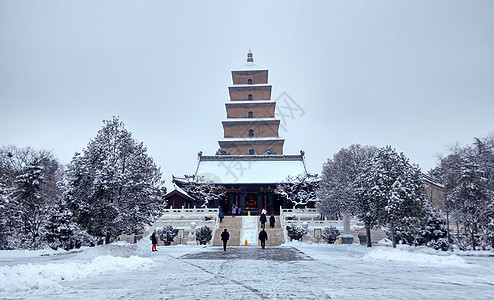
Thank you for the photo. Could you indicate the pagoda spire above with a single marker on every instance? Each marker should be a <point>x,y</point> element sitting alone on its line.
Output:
<point>250,57</point>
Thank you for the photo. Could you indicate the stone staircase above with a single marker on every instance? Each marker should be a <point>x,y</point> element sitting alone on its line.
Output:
<point>234,227</point>
<point>275,235</point>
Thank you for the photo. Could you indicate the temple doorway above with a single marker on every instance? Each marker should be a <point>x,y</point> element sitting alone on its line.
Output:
<point>225,204</point>
<point>251,201</point>
<point>277,203</point>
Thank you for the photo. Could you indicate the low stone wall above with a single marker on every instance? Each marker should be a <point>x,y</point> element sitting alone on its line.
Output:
<point>314,220</point>
<point>180,219</point>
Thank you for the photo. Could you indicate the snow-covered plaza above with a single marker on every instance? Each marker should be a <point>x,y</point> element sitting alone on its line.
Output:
<point>291,271</point>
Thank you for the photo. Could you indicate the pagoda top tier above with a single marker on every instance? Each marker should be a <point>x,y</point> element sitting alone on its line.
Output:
<point>250,65</point>
<point>250,73</point>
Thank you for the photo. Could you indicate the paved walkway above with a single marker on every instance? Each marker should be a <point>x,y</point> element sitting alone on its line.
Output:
<point>250,253</point>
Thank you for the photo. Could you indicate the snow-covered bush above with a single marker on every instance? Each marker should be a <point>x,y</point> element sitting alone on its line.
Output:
<point>403,236</point>
<point>330,234</point>
<point>440,244</point>
<point>295,232</point>
<point>434,233</point>
<point>63,232</point>
<point>431,233</point>
<point>167,233</point>
<point>203,234</point>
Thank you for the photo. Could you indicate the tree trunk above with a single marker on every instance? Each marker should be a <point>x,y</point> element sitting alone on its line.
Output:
<point>393,238</point>
<point>368,235</point>
<point>472,234</point>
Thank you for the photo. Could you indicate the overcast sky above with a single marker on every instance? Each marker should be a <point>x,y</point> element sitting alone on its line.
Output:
<point>416,75</point>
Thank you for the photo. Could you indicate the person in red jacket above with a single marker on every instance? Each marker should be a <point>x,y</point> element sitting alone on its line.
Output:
<point>154,240</point>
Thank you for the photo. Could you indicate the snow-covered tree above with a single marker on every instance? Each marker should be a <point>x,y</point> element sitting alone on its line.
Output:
<point>113,187</point>
<point>472,200</point>
<point>468,177</point>
<point>330,234</point>
<point>28,194</point>
<point>390,192</point>
<point>336,193</point>
<point>5,200</point>
<point>205,192</point>
<point>30,198</point>
<point>299,189</point>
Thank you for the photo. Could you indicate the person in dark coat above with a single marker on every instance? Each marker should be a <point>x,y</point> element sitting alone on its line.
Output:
<point>263,220</point>
<point>263,237</point>
<point>224,237</point>
<point>154,241</point>
<point>271,221</point>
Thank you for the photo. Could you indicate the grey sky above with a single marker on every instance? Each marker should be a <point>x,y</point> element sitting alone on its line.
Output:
<point>417,75</point>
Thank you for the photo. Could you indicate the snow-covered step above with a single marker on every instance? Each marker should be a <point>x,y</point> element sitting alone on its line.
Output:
<point>249,231</point>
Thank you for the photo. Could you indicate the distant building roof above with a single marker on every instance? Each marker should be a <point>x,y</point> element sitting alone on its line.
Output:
<point>428,179</point>
<point>250,169</point>
<point>178,191</point>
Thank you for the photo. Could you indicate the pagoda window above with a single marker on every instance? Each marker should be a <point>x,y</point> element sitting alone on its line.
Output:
<point>250,114</point>
<point>251,152</point>
<point>249,81</point>
<point>250,96</point>
<point>251,132</point>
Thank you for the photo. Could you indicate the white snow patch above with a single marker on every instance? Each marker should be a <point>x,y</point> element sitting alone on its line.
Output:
<point>390,254</point>
<point>24,277</point>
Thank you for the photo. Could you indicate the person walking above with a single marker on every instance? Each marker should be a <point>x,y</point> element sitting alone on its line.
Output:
<point>271,221</point>
<point>263,237</point>
<point>263,220</point>
<point>234,211</point>
<point>154,241</point>
<point>224,237</point>
<point>221,215</point>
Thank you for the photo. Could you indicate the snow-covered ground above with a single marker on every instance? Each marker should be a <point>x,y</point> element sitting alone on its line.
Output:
<point>292,271</point>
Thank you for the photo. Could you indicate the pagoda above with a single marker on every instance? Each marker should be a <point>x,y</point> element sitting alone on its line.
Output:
<point>250,163</point>
<point>251,127</point>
